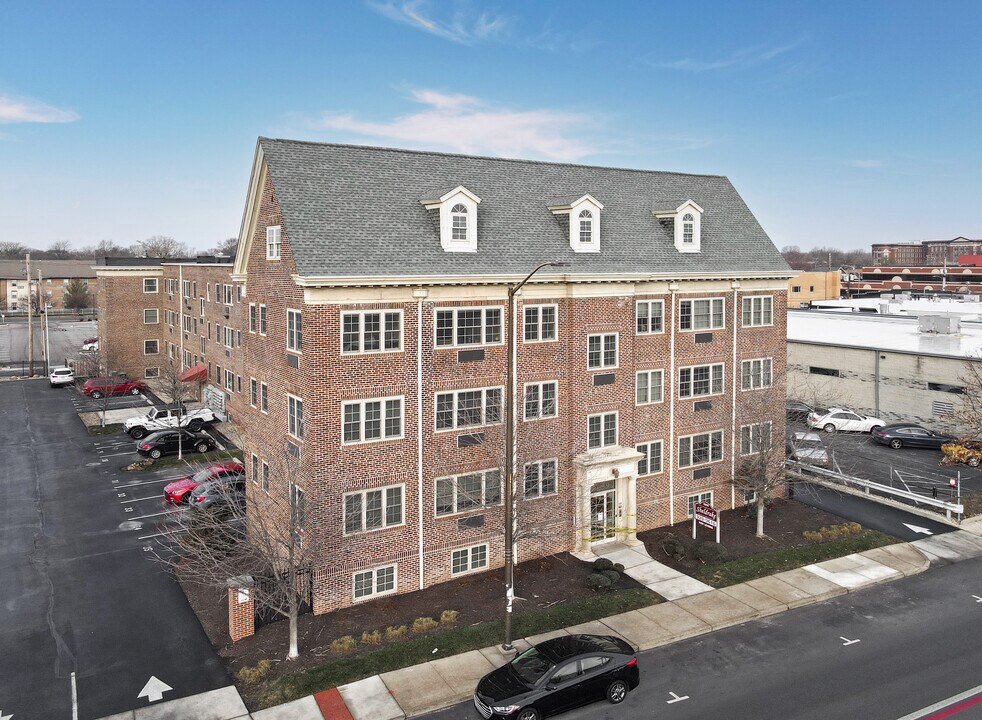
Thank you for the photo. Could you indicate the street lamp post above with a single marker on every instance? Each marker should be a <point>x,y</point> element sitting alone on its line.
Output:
<point>510,455</point>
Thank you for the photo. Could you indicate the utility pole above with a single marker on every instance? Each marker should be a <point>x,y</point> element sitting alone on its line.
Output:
<point>30,320</point>
<point>43,307</point>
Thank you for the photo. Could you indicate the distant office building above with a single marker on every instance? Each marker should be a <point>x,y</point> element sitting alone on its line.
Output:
<point>928,252</point>
<point>807,287</point>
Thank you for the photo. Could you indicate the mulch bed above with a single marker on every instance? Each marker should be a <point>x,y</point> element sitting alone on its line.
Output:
<point>784,523</point>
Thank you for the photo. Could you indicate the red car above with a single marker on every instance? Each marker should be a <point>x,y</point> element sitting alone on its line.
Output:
<point>96,388</point>
<point>180,490</point>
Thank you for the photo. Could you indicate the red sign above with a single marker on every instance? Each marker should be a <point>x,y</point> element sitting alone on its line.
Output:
<point>706,515</point>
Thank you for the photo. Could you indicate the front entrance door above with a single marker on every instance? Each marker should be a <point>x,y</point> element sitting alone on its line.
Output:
<point>603,504</point>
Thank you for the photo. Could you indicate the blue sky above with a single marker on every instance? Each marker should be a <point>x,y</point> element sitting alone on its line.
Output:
<point>840,123</point>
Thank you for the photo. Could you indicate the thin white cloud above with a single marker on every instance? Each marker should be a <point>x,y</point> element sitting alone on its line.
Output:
<point>28,110</point>
<point>464,25</point>
<point>465,124</point>
<point>746,57</point>
<point>864,163</point>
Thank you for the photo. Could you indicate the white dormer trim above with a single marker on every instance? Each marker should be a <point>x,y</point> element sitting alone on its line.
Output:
<point>581,211</point>
<point>451,220</point>
<point>687,219</point>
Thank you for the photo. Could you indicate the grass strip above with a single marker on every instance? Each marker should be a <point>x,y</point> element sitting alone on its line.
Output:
<point>451,642</point>
<point>107,430</point>
<point>764,564</point>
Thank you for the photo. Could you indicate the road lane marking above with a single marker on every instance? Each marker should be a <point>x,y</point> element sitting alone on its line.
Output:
<point>160,534</point>
<point>150,482</point>
<point>136,500</point>
<point>954,700</point>
<point>676,698</point>
<point>74,699</point>
<point>144,517</point>
<point>848,642</point>
<point>154,689</point>
<point>977,598</point>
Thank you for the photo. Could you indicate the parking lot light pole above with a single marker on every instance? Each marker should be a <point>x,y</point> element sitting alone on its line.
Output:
<point>510,455</point>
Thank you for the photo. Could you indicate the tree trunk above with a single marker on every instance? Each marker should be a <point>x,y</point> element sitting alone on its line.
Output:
<point>760,515</point>
<point>294,652</point>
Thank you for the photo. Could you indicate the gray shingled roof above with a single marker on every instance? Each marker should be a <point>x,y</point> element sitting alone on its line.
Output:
<point>355,211</point>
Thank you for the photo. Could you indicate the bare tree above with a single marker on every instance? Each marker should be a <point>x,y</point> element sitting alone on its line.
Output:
<point>161,246</point>
<point>227,246</point>
<point>177,392</point>
<point>105,248</point>
<point>60,250</point>
<point>13,250</point>
<point>759,470</point>
<point>264,541</point>
<point>969,411</point>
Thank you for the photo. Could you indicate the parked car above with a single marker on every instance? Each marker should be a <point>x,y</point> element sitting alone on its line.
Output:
<point>165,442</point>
<point>798,411</point>
<point>163,418</point>
<point>90,345</point>
<point>807,447</point>
<point>839,419</point>
<point>182,490</point>
<point>218,494</point>
<point>899,435</point>
<point>97,388</point>
<point>558,675</point>
<point>61,376</point>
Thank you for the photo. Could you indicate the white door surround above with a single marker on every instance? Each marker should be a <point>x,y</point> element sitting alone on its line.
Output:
<point>606,485</point>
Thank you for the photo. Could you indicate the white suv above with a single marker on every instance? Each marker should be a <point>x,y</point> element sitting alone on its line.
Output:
<point>61,376</point>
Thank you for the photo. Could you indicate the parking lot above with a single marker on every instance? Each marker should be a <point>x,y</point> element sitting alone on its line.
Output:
<point>89,613</point>
<point>64,340</point>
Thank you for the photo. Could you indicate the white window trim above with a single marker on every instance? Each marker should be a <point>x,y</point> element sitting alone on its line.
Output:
<point>145,353</point>
<point>253,318</point>
<point>617,352</point>
<point>503,329</point>
<point>228,296</point>
<point>484,492</point>
<point>722,449</point>
<point>661,386</point>
<point>649,303</point>
<point>156,286</point>
<point>470,552</point>
<point>484,412</point>
<point>770,432</point>
<point>661,471</point>
<point>262,385</point>
<point>753,388</point>
<point>707,329</point>
<point>148,376</point>
<point>264,477</point>
<point>539,306</point>
<point>253,396</point>
<point>259,318</point>
<point>156,313</point>
<point>698,499</point>
<point>521,493</point>
<point>254,468</point>
<point>361,423</point>
<point>555,404</point>
<point>374,570</point>
<point>294,350</point>
<point>274,239</point>
<point>289,431</point>
<point>364,530</point>
<point>692,395</point>
<point>361,331</point>
<point>751,298</point>
<point>617,428</point>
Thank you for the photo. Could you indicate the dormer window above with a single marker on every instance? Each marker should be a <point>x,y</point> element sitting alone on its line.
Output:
<point>686,220</point>
<point>584,222</point>
<point>458,219</point>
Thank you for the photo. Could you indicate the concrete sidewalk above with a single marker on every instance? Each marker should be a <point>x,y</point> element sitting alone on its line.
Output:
<point>695,611</point>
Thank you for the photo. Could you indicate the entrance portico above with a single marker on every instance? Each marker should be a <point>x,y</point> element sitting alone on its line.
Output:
<point>606,496</point>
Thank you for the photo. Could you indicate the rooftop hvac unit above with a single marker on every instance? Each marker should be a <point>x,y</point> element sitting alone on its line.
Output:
<point>939,324</point>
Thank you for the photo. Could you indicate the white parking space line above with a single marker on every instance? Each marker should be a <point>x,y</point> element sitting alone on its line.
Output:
<point>128,452</point>
<point>148,482</point>
<point>159,498</point>
<point>160,534</point>
<point>144,517</point>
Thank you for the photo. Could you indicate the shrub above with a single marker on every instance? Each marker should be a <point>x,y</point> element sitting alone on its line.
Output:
<point>601,564</point>
<point>855,527</point>
<point>343,644</point>
<point>371,638</point>
<point>598,581</point>
<point>673,547</point>
<point>396,633</point>
<point>618,567</point>
<point>710,552</point>
<point>449,617</point>
<point>612,575</point>
<point>424,624</point>
<point>812,535</point>
<point>252,675</point>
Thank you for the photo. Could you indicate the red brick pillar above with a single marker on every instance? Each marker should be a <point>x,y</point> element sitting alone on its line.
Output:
<point>241,608</point>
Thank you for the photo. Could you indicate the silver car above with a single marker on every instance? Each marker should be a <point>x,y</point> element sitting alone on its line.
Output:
<point>807,447</point>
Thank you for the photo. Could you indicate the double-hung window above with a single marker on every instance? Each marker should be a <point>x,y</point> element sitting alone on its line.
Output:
<point>253,392</point>
<point>252,317</point>
<point>294,413</point>
<point>151,347</point>
<point>371,332</point>
<point>227,289</point>
<point>648,387</point>
<point>298,507</point>
<point>374,582</point>
<point>149,285</point>
<point>151,316</point>
<point>601,430</point>
<point>701,314</point>
<point>758,310</point>
<point>540,323</point>
<point>262,319</point>
<point>461,327</point>
<point>466,492</point>
<point>254,466</point>
<point>540,400</point>
<point>369,420</point>
<point>650,464</point>
<point>469,559</point>
<point>229,337</point>
<point>468,408</point>
<point>294,331</point>
<point>700,449</point>
<point>755,438</point>
<point>601,351</point>
<point>756,374</point>
<point>373,509</point>
<point>650,316</point>
<point>265,476</point>
<point>701,380</point>
<point>540,478</point>
<point>273,242</point>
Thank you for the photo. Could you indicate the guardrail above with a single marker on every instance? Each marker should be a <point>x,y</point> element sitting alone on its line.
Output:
<point>869,485</point>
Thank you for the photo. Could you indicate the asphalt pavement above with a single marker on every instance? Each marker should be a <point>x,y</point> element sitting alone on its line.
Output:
<point>87,612</point>
<point>64,341</point>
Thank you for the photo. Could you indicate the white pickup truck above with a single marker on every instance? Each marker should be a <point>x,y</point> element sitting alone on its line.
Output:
<point>165,418</point>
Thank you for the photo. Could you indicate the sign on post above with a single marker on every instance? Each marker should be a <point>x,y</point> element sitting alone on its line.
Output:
<point>705,514</point>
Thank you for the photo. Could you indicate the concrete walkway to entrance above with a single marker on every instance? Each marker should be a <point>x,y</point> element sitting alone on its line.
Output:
<point>641,567</point>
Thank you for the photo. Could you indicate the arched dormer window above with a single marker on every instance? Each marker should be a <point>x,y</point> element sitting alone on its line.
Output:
<point>688,223</point>
<point>586,226</point>
<point>458,216</point>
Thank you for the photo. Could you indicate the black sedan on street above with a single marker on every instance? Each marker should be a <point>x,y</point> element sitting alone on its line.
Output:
<point>164,442</point>
<point>901,435</point>
<point>557,675</point>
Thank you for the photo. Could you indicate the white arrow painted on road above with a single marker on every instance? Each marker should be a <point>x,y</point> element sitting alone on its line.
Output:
<point>154,690</point>
<point>847,641</point>
<point>918,529</point>
<point>675,698</point>
<point>5,717</point>
<point>977,599</point>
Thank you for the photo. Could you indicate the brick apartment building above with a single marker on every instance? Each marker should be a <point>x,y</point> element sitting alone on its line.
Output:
<point>368,318</point>
<point>927,252</point>
<point>55,276</point>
